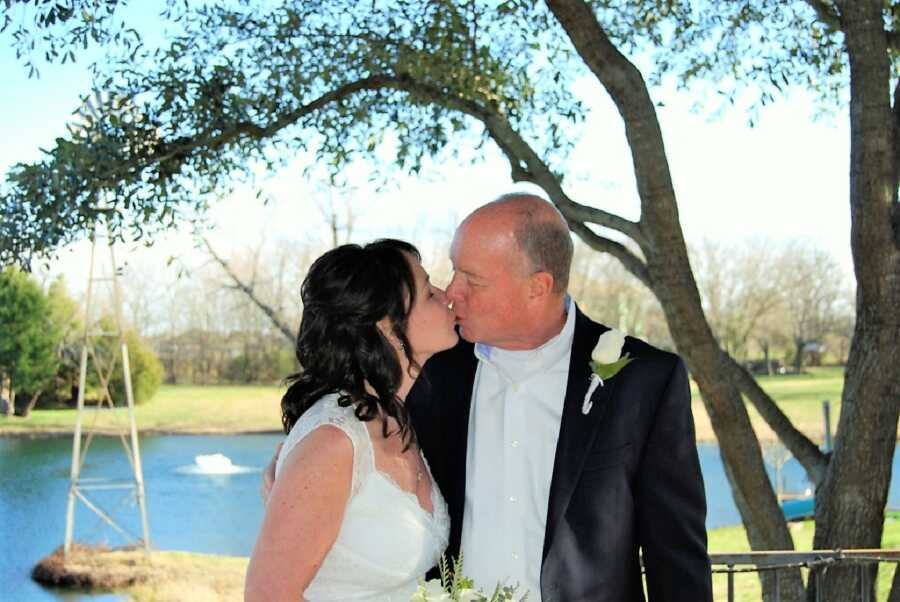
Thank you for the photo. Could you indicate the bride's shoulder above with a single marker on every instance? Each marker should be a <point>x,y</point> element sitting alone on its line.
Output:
<point>346,431</point>
<point>325,408</point>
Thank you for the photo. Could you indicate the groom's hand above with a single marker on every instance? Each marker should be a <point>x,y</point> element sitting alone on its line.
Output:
<point>268,477</point>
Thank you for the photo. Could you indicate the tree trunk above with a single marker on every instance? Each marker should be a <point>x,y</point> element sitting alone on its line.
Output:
<point>25,411</point>
<point>740,450</point>
<point>850,503</point>
<point>4,396</point>
<point>672,281</point>
<point>895,588</point>
<point>798,357</point>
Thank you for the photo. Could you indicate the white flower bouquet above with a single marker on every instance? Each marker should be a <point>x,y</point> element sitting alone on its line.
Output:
<point>454,587</point>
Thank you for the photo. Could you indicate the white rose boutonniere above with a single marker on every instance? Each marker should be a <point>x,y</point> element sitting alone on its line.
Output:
<point>608,360</point>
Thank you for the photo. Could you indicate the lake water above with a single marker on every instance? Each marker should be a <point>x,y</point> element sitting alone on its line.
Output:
<point>187,510</point>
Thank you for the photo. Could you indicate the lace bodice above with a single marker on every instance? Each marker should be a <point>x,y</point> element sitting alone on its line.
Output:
<point>387,541</point>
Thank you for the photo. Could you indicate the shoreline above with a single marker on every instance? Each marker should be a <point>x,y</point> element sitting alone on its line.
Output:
<point>55,432</point>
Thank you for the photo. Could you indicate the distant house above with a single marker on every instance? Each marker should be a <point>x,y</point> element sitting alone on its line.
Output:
<point>813,352</point>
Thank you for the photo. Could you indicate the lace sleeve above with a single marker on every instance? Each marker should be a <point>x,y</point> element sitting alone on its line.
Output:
<point>326,411</point>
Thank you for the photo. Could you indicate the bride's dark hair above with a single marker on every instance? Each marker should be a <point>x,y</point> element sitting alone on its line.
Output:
<point>339,347</point>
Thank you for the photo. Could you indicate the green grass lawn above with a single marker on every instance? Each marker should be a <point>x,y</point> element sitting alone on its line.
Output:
<point>800,397</point>
<point>175,408</point>
<point>230,408</point>
<point>747,587</point>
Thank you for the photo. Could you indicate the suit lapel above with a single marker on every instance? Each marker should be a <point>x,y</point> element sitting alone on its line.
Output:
<point>576,430</point>
<point>457,438</point>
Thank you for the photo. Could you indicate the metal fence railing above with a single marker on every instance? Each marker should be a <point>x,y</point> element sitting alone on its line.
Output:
<point>817,562</point>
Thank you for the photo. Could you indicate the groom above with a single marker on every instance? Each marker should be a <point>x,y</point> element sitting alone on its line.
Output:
<point>546,488</point>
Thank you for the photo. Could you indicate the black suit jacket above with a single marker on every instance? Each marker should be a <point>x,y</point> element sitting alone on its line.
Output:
<point>626,476</point>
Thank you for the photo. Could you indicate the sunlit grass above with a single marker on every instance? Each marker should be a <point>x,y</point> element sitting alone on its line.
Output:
<point>747,586</point>
<point>175,408</point>
<point>160,576</point>
<point>799,396</point>
<point>254,408</point>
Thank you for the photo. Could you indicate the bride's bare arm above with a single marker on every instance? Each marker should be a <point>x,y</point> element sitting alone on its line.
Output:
<point>303,517</point>
<point>268,475</point>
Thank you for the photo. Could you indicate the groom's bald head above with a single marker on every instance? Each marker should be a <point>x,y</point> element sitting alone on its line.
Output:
<point>539,231</point>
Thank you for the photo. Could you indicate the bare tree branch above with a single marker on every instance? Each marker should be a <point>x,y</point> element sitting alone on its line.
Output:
<point>634,264</point>
<point>526,164</point>
<point>248,290</point>
<point>807,453</point>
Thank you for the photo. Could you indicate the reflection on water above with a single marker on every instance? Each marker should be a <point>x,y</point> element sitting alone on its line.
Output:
<point>202,496</point>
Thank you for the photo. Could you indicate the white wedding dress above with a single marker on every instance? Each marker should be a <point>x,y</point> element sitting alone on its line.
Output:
<point>387,541</point>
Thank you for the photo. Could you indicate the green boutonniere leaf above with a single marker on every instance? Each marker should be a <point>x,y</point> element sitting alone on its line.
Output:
<point>607,371</point>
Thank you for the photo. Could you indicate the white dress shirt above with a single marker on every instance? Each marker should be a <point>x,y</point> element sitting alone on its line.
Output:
<point>517,405</point>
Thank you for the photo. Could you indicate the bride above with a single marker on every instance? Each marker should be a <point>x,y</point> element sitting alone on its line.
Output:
<point>354,513</point>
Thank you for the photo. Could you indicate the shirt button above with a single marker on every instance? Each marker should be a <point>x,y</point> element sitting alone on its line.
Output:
<point>515,556</point>
<point>515,443</point>
<point>513,499</point>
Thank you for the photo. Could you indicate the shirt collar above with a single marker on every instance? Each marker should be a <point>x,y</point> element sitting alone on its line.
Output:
<point>530,361</point>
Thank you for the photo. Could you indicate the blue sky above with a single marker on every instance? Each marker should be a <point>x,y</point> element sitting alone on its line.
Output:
<point>785,178</point>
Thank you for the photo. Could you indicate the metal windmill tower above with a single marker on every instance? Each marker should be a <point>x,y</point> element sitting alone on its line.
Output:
<point>104,366</point>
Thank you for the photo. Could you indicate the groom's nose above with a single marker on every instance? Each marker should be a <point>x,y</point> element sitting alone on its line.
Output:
<point>454,289</point>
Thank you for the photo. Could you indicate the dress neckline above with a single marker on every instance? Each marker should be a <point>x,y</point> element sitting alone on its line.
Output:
<point>410,495</point>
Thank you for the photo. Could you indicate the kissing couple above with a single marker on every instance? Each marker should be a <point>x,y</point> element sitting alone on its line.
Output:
<point>471,422</point>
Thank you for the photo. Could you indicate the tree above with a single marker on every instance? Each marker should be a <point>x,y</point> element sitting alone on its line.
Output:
<point>611,295</point>
<point>767,293</point>
<point>811,298</point>
<point>57,30</point>
<point>236,84</point>
<point>29,337</point>
<point>146,369</point>
<point>65,315</point>
<point>741,286</point>
<point>819,44</point>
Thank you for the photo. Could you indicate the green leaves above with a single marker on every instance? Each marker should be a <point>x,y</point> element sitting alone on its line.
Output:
<point>607,371</point>
<point>241,89</point>
<point>30,337</point>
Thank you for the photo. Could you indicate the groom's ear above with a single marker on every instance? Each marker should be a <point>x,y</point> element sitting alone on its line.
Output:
<point>540,284</point>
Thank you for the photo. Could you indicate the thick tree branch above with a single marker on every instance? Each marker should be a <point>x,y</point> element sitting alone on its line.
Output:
<point>632,262</point>
<point>830,15</point>
<point>214,140</point>
<point>826,13</point>
<point>807,453</point>
<point>248,290</point>
<point>585,213</point>
<point>895,210</point>
<point>895,113</point>
<point>628,90</point>
<point>525,163</point>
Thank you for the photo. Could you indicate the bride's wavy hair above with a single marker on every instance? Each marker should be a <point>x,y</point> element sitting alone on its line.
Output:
<point>339,347</point>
